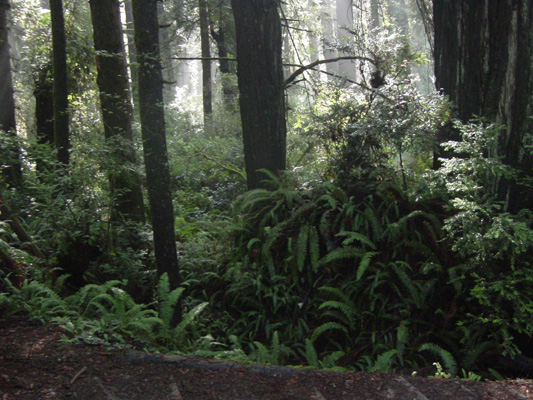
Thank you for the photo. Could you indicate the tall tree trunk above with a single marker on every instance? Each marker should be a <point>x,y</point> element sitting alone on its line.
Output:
<point>61,117</point>
<point>154,138</point>
<point>132,55</point>
<point>224,39</point>
<point>483,59</point>
<point>44,107</point>
<point>374,22</point>
<point>12,173</point>
<point>207,90</point>
<point>328,42</point>
<point>345,38</point>
<point>44,110</point>
<point>260,75</point>
<point>116,110</point>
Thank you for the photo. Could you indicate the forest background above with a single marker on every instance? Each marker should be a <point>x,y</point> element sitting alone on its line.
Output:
<point>365,205</point>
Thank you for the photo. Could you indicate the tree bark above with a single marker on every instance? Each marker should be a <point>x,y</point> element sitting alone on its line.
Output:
<point>116,110</point>
<point>260,76</point>
<point>344,37</point>
<point>12,172</point>
<point>61,117</point>
<point>154,139</point>
<point>132,56</point>
<point>207,89</point>
<point>224,38</point>
<point>44,107</point>
<point>483,58</point>
<point>328,42</point>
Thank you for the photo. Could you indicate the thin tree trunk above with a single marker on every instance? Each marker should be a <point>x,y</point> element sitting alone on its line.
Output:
<point>12,173</point>
<point>154,139</point>
<point>224,39</point>
<point>132,55</point>
<point>262,99</point>
<point>116,110</point>
<point>61,117</point>
<point>345,38</point>
<point>374,22</point>
<point>44,107</point>
<point>328,41</point>
<point>207,91</point>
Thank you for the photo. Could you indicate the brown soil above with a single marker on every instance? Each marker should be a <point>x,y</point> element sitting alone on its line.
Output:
<point>35,364</point>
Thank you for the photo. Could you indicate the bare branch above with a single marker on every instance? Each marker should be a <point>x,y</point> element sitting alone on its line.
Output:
<point>312,66</point>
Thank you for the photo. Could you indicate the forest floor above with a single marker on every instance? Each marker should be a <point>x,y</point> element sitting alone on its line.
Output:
<point>36,364</point>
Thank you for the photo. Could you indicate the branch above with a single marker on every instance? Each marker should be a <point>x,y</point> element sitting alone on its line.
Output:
<point>304,68</point>
<point>204,58</point>
<point>23,236</point>
<point>224,167</point>
<point>361,85</point>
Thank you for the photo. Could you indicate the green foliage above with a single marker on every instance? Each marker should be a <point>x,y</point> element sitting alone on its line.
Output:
<point>449,362</point>
<point>106,313</point>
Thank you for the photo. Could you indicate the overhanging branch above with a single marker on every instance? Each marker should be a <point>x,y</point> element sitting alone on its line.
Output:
<point>312,66</point>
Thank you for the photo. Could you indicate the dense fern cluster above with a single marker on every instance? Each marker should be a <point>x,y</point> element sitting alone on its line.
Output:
<point>343,278</point>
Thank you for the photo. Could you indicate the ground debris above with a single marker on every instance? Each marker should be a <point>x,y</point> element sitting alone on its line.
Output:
<point>36,365</point>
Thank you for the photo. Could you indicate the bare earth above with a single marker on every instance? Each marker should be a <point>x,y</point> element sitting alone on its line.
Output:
<point>34,364</point>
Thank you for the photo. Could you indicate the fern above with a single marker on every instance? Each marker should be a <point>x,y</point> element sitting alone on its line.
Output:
<point>168,300</point>
<point>384,361</point>
<point>347,309</point>
<point>364,263</point>
<point>355,236</point>
<point>301,246</point>
<point>314,246</point>
<point>310,354</point>
<point>328,326</point>
<point>446,357</point>
<point>339,254</point>
<point>187,319</point>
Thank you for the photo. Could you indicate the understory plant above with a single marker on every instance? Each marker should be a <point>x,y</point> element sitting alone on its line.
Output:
<point>107,314</point>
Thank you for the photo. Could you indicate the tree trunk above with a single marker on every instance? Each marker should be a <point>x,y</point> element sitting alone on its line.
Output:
<point>260,75</point>
<point>483,59</point>
<point>345,38</point>
<point>328,42</point>
<point>374,22</point>
<point>224,39</point>
<point>116,110</point>
<point>61,117</point>
<point>12,173</point>
<point>154,138</point>
<point>44,107</point>
<point>207,91</point>
<point>132,56</point>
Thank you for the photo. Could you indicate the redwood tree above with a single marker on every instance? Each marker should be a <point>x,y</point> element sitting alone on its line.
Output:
<point>151,106</point>
<point>483,61</point>
<point>12,172</point>
<point>116,110</point>
<point>60,88</point>
<point>260,76</point>
<point>207,92</point>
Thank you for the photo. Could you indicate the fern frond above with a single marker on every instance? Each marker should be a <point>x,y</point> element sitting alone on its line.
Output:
<point>301,247</point>
<point>353,236</point>
<point>446,357</point>
<point>328,326</point>
<point>188,318</point>
<point>310,354</point>
<point>364,263</point>
<point>314,246</point>
<point>347,309</point>
<point>339,254</point>
<point>384,361</point>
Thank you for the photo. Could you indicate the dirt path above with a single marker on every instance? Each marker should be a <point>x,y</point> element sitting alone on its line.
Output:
<point>34,364</point>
